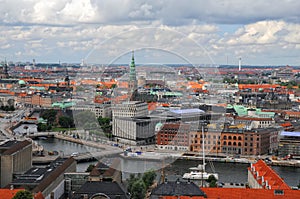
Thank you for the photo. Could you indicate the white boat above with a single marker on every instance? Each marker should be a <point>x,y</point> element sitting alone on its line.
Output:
<point>199,173</point>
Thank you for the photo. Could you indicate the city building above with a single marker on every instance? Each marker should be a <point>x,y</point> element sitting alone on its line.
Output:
<point>100,110</point>
<point>173,136</point>
<point>16,159</point>
<point>289,144</point>
<point>103,172</point>
<point>134,131</point>
<point>130,109</point>
<point>48,180</point>
<point>211,141</point>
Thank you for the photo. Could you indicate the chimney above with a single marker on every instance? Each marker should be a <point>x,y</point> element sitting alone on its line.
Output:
<point>240,64</point>
<point>11,187</point>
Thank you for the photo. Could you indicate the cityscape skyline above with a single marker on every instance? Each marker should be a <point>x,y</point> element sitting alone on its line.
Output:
<point>197,32</point>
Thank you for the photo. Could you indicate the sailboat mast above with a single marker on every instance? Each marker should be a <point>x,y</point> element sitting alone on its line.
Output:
<point>203,153</point>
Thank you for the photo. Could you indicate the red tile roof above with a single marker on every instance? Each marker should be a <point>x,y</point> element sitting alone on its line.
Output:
<point>242,193</point>
<point>8,194</point>
<point>265,175</point>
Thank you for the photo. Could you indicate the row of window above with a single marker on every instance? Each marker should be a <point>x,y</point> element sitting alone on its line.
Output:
<point>232,137</point>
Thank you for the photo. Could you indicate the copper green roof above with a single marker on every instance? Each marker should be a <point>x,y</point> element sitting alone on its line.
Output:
<point>63,104</point>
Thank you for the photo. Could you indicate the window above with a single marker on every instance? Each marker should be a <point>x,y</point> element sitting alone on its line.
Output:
<point>229,143</point>
<point>229,137</point>
<point>278,192</point>
<point>225,137</point>
<point>239,138</point>
<point>234,137</point>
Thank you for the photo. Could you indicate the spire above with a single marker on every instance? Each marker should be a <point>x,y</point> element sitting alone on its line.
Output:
<point>132,73</point>
<point>132,76</point>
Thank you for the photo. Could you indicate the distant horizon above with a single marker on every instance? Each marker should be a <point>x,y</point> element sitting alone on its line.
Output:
<point>146,64</point>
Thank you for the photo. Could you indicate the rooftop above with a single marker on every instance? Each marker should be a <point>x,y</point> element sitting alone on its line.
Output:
<point>266,176</point>
<point>176,188</point>
<point>238,193</point>
<point>13,146</point>
<point>38,178</point>
<point>290,134</point>
<point>111,189</point>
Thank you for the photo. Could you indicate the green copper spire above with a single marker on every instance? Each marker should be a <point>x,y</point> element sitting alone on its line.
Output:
<point>132,75</point>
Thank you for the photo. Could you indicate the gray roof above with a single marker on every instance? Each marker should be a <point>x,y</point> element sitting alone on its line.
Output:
<point>176,188</point>
<point>111,189</point>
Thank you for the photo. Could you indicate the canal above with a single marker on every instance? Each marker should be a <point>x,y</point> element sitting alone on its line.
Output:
<point>228,172</point>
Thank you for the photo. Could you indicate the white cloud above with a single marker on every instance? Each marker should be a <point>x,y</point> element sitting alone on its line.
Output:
<point>193,29</point>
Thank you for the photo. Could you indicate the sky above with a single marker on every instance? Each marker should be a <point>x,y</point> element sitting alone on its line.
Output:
<point>265,32</point>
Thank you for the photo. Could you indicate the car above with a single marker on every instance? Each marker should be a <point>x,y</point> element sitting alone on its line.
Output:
<point>74,154</point>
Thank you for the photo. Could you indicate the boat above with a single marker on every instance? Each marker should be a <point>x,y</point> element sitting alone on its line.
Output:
<point>199,173</point>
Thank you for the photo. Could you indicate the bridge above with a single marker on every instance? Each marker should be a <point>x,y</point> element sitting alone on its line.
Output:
<point>91,156</point>
<point>41,134</point>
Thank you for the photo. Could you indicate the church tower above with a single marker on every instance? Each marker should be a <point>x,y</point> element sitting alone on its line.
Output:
<point>132,76</point>
<point>4,71</point>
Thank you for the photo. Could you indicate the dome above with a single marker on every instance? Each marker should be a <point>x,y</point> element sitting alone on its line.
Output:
<point>21,82</point>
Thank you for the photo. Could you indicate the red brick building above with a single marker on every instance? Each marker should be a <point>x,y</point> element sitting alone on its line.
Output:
<point>173,136</point>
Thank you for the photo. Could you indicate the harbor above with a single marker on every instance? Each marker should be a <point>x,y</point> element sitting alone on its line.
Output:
<point>229,172</point>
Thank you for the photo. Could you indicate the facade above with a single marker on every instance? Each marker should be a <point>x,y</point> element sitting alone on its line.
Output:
<point>211,141</point>
<point>289,143</point>
<point>135,131</point>
<point>16,158</point>
<point>232,141</point>
<point>39,100</point>
<point>173,136</point>
<point>130,109</point>
<point>100,110</point>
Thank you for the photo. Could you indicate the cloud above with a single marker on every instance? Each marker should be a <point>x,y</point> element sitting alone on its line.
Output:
<point>74,29</point>
<point>169,12</point>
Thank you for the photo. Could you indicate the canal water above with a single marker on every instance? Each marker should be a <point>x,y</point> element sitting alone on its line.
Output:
<point>228,172</point>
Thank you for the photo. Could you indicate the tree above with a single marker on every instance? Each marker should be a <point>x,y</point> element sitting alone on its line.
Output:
<point>65,121</point>
<point>138,190</point>
<point>43,127</point>
<point>149,178</point>
<point>90,168</point>
<point>212,181</point>
<point>24,194</point>
<point>105,125</point>
<point>49,115</point>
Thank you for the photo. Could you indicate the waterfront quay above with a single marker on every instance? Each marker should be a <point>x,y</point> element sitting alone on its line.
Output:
<point>102,150</point>
<point>149,153</point>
